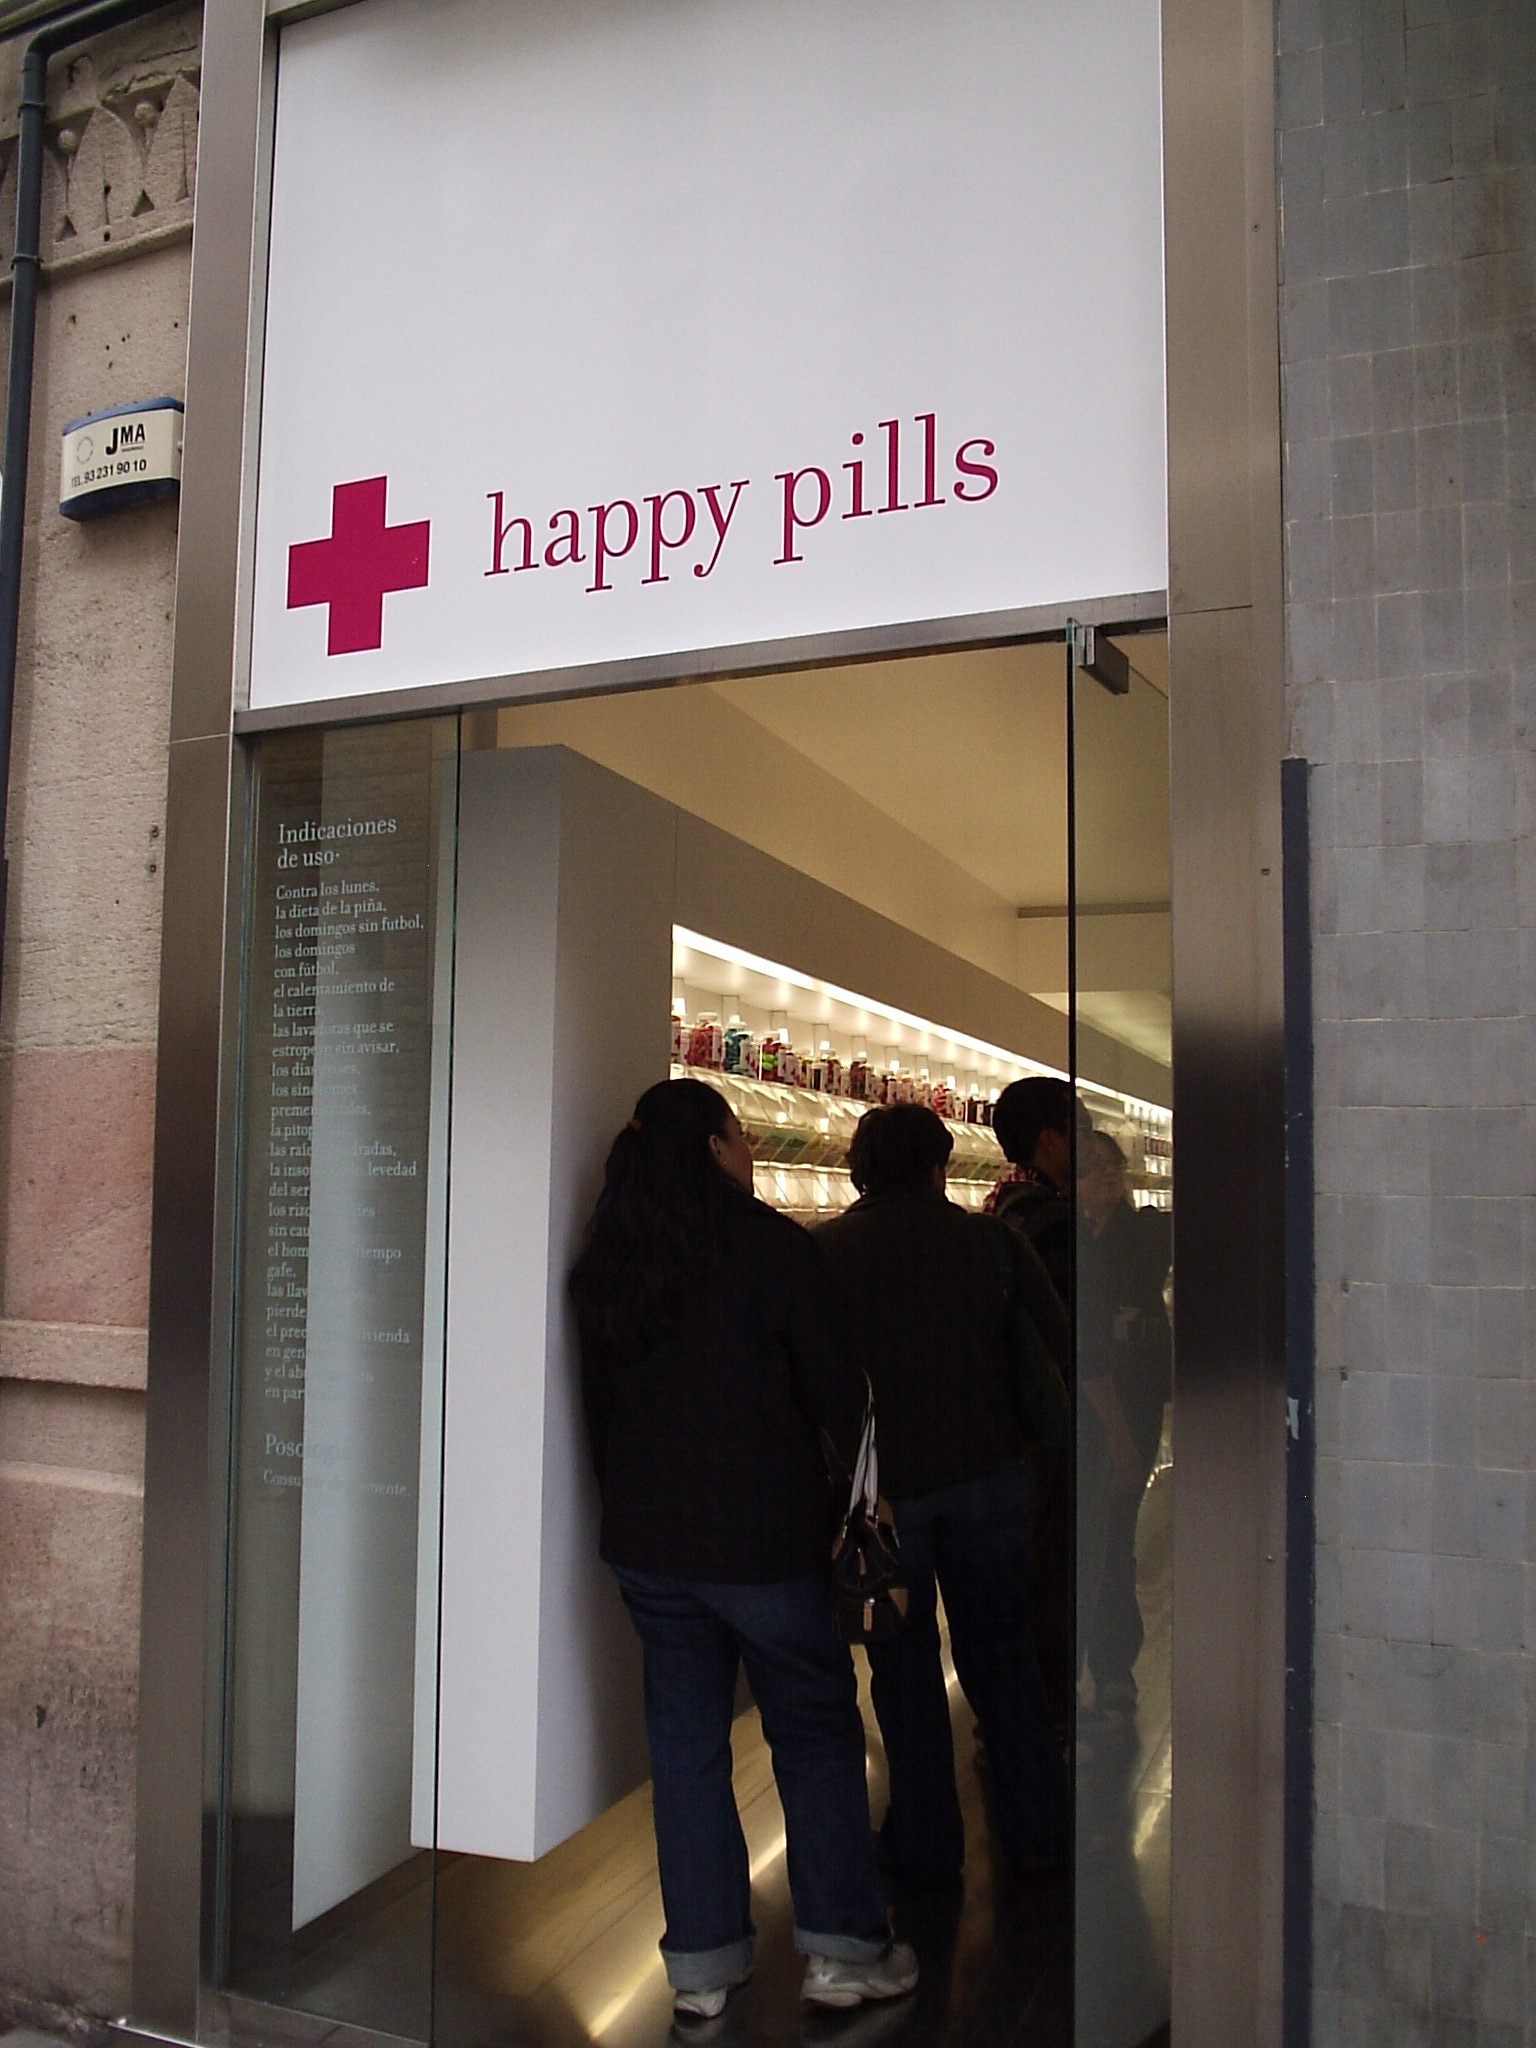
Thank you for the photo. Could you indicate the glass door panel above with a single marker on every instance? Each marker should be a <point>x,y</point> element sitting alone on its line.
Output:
<point>330,1753</point>
<point>436,1820</point>
<point>820,893</point>
<point>1121,979</point>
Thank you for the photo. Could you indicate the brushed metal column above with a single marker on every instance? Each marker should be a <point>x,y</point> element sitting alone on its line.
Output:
<point>1226,694</point>
<point>189,1265</point>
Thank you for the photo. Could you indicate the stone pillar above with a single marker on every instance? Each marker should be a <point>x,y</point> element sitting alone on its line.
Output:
<point>78,1018</point>
<point>1408,186</point>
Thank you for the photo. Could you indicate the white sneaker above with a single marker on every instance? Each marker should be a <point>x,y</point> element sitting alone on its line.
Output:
<point>709,2003</point>
<point>701,2005</point>
<point>830,1982</point>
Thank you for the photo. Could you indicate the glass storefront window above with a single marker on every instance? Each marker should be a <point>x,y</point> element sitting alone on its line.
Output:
<point>330,1730</point>
<point>437,1824</point>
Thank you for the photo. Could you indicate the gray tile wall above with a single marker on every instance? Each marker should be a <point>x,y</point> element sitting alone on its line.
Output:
<point>1408,335</point>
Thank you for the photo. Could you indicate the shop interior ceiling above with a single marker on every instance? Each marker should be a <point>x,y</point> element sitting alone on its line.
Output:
<point>933,789</point>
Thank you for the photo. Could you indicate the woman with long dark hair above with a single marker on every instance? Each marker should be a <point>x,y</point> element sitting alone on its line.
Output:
<point>709,1367</point>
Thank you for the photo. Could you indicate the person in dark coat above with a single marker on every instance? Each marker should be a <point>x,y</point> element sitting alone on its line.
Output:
<point>1130,1250</point>
<point>1033,1122</point>
<point>965,1391</point>
<point>709,1367</point>
<point>1044,1132</point>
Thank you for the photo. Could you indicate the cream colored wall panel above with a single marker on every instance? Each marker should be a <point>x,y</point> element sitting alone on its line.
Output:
<point>706,753</point>
<point>563,985</point>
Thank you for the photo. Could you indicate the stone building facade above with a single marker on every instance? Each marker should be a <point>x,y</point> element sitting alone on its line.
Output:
<point>1406,150</point>
<point>78,1016</point>
<point>1408,336</point>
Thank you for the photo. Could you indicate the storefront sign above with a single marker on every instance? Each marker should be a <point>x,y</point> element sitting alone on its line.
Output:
<point>610,329</point>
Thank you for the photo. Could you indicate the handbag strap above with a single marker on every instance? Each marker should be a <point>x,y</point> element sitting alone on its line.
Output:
<point>866,1466</point>
<point>864,1480</point>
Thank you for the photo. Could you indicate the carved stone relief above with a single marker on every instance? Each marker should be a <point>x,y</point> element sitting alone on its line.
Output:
<point>120,159</point>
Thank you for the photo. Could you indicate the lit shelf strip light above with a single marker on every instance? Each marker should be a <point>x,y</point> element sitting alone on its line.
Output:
<point>718,949</point>
<point>754,963</point>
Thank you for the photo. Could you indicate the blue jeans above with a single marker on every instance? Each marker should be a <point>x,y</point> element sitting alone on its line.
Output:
<point>693,1637</point>
<point>974,1542</point>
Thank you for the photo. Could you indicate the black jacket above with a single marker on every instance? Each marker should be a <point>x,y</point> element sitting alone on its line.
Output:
<point>1127,1266</point>
<point>1047,1222</point>
<point>707,1446</point>
<point>921,1285</point>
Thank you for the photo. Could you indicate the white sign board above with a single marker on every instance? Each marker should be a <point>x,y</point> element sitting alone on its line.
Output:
<point>127,455</point>
<point>602,330</point>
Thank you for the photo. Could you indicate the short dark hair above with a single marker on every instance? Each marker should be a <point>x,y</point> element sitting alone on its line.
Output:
<point>897,1148</point>
<point>1025,1109</point>
<point>1110,1146</point>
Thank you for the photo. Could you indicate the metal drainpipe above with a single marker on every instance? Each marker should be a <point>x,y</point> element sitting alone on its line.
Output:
<point>57,32</point>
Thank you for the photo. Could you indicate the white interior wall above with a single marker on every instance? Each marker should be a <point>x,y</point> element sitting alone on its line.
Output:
<point>612,999</point>
<point>563,969</point>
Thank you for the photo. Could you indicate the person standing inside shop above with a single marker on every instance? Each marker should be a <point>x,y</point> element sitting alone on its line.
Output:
<point>1033,1122</point>
<point>964,1393</point>
<point>709,1365</point>
<point>1131,1255</point>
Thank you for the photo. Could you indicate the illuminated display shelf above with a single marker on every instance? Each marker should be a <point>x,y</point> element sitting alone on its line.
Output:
<point>801,1127</point>
<point>800,1141</point>
<point>800,1136</point>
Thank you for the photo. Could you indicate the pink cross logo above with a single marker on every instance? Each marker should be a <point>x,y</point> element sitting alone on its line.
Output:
<point>362,560</point>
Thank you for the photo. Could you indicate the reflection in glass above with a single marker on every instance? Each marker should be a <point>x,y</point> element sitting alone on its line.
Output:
<point>1123,1160</point>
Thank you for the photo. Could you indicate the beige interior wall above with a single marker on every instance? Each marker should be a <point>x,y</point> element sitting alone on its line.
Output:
<point>727,889</point>
<point>932,791</point>
<point>703,752</point>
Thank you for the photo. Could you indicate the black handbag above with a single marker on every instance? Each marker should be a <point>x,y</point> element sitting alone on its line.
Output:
<point>869,1593</point>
